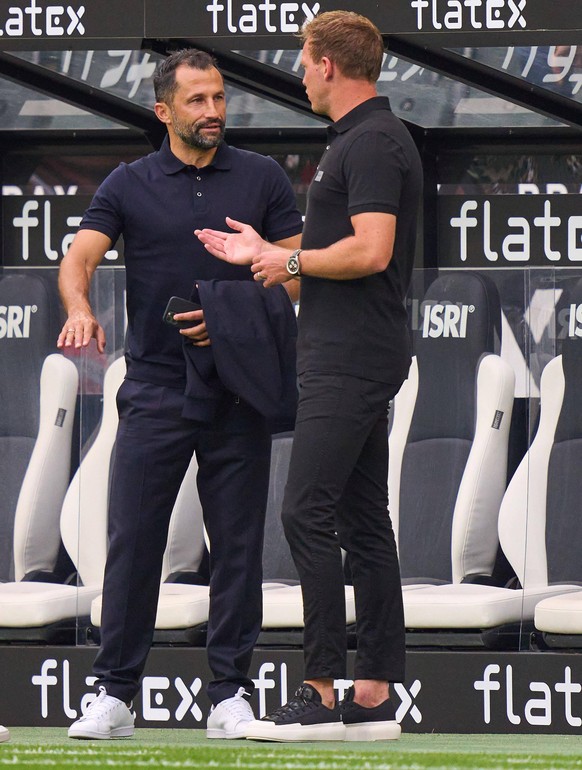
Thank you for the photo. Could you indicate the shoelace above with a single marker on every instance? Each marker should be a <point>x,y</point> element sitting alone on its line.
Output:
<point>238,707</point>
<point>294,707</point>
<point>99,706</point>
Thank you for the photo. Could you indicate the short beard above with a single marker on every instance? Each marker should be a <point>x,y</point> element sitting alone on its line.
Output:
<point>191,135</point>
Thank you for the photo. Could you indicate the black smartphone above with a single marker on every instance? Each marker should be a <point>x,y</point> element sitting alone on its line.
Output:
<point>180,305</point>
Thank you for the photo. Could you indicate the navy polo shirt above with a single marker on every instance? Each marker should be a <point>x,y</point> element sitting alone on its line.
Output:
<point>359,327</point>
<point>156,203</point>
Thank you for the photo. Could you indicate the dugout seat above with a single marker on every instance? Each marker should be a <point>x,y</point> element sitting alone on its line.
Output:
<point>538,526</point>
<point>37,536</point>
<point>29,323</point>
<point>282,599</point>
<point>449,436</point>
<point>559,618</point>
<point>49,610</point>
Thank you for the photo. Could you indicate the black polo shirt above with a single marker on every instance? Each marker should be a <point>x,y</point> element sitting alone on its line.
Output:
<point>359,327</point>
<point>156,203</point>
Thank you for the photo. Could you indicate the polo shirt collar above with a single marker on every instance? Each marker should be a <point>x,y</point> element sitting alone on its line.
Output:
<point>170,164</point>
<point>355,116</point>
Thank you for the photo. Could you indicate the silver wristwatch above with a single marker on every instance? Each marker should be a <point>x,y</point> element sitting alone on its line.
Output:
<point>293,264</point>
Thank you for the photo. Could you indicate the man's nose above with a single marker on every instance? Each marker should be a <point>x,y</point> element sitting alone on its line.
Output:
<point>211,110</point>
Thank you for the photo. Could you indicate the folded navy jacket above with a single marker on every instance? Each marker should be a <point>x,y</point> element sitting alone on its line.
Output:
<point>253,332</point>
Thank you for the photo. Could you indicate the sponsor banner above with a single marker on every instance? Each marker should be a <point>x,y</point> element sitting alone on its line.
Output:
<point>15,321</point>
<point>45,20</point>
<point>228,18</point>
<point>445,692</point>
<point>441,319</point>
<point>75,22</point>
<point>240,18</point>
<point>38,230</point>
<point>452,319</point>
<point>515,231</point>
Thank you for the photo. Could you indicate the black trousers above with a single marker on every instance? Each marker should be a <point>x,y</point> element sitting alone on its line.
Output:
<point>336,497</point>
<point>153,449</point>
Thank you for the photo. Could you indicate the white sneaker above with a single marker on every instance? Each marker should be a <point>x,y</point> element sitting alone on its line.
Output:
<point>230,717</point>
<point>107,717</point>
<point>4,734</point>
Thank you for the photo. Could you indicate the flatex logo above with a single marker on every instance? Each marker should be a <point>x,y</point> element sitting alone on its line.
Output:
<point>54,685</point>
<point>512,228</point>
<point>265,16</point>
<point>37,20</point>
<point>469,14</point>
<point>503,699</point>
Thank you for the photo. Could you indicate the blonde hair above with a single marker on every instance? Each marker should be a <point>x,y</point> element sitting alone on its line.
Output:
<point>350,40</point>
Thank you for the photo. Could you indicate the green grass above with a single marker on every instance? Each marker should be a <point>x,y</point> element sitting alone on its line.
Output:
<point>158,748</point>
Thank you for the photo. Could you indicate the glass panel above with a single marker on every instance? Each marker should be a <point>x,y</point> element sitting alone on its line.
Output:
<point>129,75</point>
<point>25,109</point>
<point>99,381</point>
<point>61,173</point>
<point>506,172</point>
<point>50,411</point>
<point>247,110</point>
<point>424,97</point>
<point>557,68</point>
<point>44,196</point>
<point>552,564</point>
<point>540,315</point>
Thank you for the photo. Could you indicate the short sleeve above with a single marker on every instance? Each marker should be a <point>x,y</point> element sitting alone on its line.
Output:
<point>282,217</point>
<point>105,213</point>
<point>374,167</point>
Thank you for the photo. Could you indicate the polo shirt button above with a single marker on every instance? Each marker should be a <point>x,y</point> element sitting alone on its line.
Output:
<point>198,178</point>
<point>199,194</point>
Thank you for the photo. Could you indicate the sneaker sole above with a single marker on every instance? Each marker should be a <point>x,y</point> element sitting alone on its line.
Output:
<point>4,735</point>
<point>216,733</point>
<point>373,731</point>
<point>296,733</point>
<point>118,732</point>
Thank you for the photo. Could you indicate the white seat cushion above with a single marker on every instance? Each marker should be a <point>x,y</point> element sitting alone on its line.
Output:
<point>179,606</point>
<point>283,606</point>
<point>29,605</point>
<point>470,605</point>
<point>560,614</point>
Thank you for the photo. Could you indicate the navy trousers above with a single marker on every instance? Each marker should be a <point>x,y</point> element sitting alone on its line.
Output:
<point>154,446</point>
<point>336,497</point>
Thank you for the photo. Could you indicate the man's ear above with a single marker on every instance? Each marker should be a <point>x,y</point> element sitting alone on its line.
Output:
<point>328,68</point>
<point>162,112</point>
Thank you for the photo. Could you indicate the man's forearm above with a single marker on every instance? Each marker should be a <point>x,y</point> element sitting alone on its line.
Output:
<point>74,285</point>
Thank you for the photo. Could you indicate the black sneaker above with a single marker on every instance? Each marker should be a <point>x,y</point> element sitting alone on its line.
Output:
<point>368,724</point>
<point>303,718</point>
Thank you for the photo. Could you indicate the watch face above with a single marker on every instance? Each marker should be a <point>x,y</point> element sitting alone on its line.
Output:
<point>292,265</point>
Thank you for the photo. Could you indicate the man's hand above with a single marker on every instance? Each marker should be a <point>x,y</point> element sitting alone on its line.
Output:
<point>79,329</point>
<point>197,333</point>
<point>238,248</point>
<point>271,266</point>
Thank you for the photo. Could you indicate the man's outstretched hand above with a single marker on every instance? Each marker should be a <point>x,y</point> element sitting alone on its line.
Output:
<point>238,248</point>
